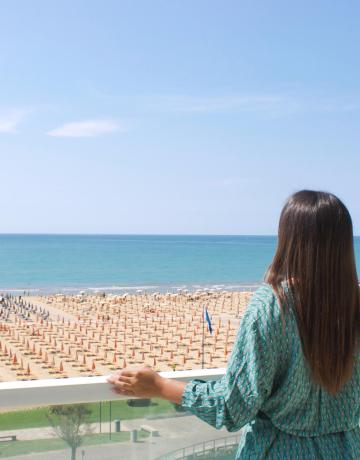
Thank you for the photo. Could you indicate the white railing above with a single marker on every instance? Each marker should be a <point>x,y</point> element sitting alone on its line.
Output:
<point>78,390</point>
<point>220,445</point>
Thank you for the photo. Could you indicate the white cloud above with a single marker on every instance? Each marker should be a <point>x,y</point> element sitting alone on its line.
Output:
<point>9,120</point>
<point>87,128</point>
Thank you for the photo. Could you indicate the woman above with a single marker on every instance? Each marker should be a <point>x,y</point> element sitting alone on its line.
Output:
<point>293,378</point>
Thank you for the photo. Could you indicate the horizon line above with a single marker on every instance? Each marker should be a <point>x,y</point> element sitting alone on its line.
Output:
<point>131,234</point>
<point>139,234</point>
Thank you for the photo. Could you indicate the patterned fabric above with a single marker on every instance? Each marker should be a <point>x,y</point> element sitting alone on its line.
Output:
<point>267,391</point>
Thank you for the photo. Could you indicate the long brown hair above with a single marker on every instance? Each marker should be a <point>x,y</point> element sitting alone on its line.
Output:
<point>315,257</point>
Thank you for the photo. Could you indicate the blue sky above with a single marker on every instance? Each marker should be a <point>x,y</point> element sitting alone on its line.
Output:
<point>175,116</point>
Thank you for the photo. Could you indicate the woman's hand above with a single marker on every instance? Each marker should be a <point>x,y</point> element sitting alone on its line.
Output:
<point>141,382</point>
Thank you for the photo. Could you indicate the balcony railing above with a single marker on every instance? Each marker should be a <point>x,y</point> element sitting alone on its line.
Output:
<point>115,429</point>
<point>78,389</point>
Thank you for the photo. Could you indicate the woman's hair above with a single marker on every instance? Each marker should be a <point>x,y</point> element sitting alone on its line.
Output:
<point>315,258</point>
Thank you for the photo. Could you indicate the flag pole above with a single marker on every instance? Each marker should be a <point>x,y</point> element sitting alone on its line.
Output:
<point>203,338</point>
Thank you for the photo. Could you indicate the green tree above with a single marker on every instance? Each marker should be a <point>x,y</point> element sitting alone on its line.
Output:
<point>70,424</point>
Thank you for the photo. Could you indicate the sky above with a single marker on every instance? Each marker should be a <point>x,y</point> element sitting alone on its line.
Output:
<point>175,117</point>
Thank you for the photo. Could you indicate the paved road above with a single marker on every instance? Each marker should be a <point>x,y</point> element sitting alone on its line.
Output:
<point>175,433</point>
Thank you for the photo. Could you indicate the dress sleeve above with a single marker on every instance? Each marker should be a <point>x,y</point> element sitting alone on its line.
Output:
<point>235,399</point>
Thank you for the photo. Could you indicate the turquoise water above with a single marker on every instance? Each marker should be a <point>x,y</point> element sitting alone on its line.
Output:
<point>124,262</point>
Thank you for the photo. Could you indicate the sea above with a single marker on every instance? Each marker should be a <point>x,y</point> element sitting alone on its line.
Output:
<point>134,263</point>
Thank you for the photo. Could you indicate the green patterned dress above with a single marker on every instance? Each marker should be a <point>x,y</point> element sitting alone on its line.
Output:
<point>267,392</point>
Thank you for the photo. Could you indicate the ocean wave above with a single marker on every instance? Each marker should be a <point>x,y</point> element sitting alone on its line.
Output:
<point>141,288</point>
<point>120,288</point>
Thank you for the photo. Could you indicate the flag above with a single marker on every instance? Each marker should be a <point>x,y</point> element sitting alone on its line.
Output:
<point>207,319</point>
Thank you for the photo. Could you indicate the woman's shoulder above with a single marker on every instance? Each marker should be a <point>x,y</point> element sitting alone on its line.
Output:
<point>265,311</point>
<point>265,292</point>
<point>264,303</point>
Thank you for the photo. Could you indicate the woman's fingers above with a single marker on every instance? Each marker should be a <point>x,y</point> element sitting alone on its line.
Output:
<point>128,372</point>
<point>125,379</point>
<point>113,378</point>
<point>124,386</point>
<point>119,391</point>
<point>140,382</point>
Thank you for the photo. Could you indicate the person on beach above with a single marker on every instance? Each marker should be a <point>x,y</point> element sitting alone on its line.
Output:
<point>293,378</point>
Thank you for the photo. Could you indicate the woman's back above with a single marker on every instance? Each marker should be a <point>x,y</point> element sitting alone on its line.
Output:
<point>269,393</point>
<point>297,404</point>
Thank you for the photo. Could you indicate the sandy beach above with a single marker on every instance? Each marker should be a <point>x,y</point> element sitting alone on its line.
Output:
<point>57,336</point>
